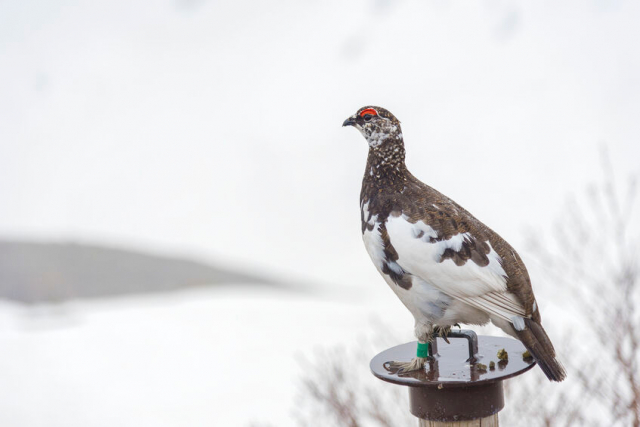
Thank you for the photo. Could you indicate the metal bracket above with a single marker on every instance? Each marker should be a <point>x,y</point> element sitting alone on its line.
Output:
<point>467,334</point>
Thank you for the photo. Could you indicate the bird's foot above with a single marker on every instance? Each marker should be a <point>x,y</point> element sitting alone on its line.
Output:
<point>416,364</point>
<point>442,332</point>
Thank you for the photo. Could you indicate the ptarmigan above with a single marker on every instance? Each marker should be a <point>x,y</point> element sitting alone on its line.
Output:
<point>444,265</point>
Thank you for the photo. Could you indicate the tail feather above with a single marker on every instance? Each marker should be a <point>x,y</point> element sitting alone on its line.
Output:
<point>539,345</point>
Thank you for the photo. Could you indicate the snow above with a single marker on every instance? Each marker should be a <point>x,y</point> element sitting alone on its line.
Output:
<point>224,357</point>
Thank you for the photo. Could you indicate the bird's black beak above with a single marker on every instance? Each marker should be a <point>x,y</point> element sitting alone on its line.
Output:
<point>349,122</point>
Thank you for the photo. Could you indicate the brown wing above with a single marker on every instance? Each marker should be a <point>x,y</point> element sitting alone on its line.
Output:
<point>447,218</point>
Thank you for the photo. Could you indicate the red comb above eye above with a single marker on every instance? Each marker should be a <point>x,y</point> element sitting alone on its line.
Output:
<point>369,111</point>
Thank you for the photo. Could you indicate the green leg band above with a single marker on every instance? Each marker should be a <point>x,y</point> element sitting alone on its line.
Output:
<point>423,349</point>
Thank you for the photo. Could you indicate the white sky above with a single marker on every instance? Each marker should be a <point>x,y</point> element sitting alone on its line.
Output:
<point>214,128</point>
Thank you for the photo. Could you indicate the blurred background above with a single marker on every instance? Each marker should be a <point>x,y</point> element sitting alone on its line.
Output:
<point>179,206</point>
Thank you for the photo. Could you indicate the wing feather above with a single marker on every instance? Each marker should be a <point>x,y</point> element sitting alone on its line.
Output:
<point>452,266</point>
<point>502,305</point>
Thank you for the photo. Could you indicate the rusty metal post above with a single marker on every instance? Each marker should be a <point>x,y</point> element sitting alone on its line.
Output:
<point>462,384</point>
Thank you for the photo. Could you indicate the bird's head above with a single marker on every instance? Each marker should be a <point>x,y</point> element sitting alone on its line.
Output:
<point>377,125</point>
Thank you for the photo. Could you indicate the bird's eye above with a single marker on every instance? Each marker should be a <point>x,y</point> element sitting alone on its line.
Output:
<point>368,113</point>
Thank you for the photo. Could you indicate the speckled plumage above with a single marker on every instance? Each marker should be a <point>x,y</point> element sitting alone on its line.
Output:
<point>446,266</point>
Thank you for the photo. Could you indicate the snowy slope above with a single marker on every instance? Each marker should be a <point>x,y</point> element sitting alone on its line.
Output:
<point>219,357</point>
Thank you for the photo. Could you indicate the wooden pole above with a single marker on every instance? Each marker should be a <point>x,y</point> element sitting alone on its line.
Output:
<point>490,421</point>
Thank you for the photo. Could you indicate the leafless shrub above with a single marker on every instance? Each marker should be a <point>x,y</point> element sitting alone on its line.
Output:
<point>592,265</point>
<point>337,389</point>
<point>532,401</point>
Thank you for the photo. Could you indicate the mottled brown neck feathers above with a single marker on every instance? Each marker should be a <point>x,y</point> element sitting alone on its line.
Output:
<point>386,170</point>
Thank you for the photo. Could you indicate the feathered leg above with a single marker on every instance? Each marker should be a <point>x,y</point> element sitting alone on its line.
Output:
<point>424,333</point>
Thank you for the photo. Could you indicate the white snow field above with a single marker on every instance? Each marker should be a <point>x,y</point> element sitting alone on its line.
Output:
<point>218,357</point>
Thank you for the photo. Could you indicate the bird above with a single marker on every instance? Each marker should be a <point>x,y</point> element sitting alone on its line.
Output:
<point>443,264</point>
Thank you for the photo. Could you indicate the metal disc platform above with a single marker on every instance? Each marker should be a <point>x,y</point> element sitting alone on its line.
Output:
<point>459,381</point>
